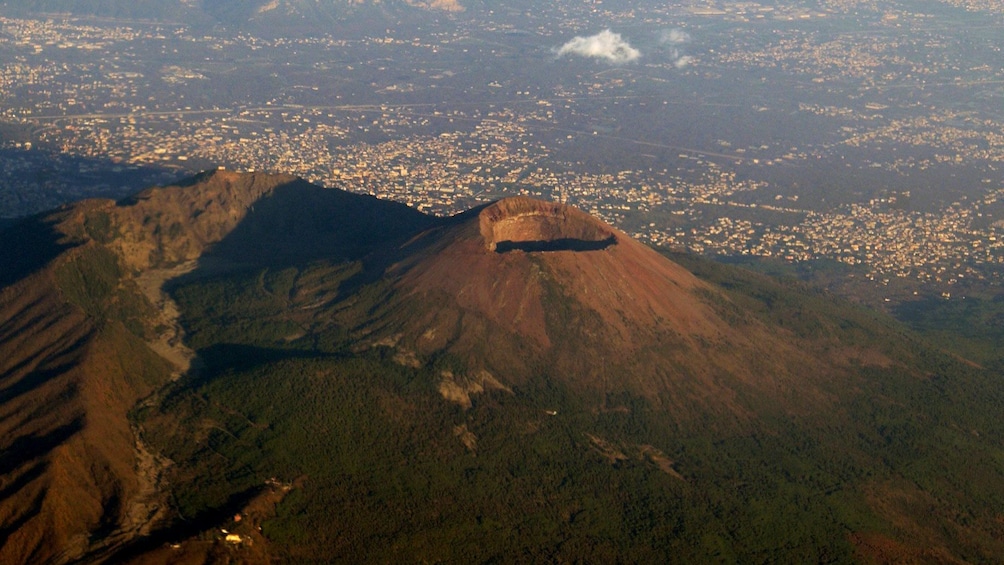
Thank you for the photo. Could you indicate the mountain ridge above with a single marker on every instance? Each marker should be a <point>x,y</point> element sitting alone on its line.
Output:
<point>78,344</point>
<point>260,13</point>
<point>626,404</point>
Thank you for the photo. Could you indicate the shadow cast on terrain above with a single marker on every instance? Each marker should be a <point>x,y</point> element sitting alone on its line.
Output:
<point>299,222</point>
<point>27,246</point>
<point>27,513</point>
<point>24,512</point>
<point>178,531</point>
<point>375,265</point>
<point>240,357</point>
<point>27,448</point>
<point>23,480</point>
<point>36,378</point>
<point>48,178</point>
<point>218,360</point>
<point>564,244</point>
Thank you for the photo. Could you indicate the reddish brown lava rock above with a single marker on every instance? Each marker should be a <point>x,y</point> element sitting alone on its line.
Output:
<point>534,225</point>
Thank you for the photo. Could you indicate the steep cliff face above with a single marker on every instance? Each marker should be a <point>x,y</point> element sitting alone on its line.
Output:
<point>530,225</point>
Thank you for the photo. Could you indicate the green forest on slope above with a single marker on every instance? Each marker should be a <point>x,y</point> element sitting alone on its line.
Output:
<point>389,470</point>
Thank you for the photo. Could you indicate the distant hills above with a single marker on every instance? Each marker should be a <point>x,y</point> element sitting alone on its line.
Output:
<point>331,376</point>
<point>226,12</point>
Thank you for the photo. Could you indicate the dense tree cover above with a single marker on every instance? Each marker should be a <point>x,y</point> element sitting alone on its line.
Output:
<point>388,470</point>
<point>972,326</point>
<point>381,458</point>
<point>91,277</point>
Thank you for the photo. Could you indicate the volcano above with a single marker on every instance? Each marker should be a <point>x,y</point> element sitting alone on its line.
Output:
<point>522,286</point>
<point>329,376</point>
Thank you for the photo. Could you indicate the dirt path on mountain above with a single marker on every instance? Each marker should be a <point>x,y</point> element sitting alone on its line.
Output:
<point>170,343</point>
<point>148,507</point>
<point>145,511</point>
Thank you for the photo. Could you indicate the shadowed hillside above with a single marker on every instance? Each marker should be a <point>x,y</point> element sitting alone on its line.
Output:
<point>78,341</point>
<point>26,246</point>
<point>335,377</point>
<point>606,399</point>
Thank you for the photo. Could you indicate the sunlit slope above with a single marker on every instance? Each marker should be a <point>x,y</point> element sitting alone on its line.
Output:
<point>523,382</point>
<point>517,383</point>
<point>73,361</point>
<point>82,341</point>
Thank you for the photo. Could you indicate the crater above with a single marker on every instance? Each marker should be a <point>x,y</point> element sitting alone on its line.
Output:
<point>524,224</point>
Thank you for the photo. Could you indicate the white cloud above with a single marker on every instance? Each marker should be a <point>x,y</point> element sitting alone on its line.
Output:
<point>672,42</point>
<point>604,45</point>
<point>674,36</point>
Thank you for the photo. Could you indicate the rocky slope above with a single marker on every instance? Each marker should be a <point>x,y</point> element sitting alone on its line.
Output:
<point>82,341</point>
<point>518,374</point>
<point>524,287</point>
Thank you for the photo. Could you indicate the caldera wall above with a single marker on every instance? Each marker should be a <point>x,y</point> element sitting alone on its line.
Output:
<point>532,225</point>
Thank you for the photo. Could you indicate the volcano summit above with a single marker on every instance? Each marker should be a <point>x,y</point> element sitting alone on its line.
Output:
<point>328,376</point>
<point>527,225</point>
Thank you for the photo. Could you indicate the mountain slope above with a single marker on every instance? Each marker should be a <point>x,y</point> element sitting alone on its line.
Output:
<point>524,368</point>
<point>69,377</point>
<point>594,309</point>
<point>79,338</point>
<point>635,310</point>
<point>517,383</point>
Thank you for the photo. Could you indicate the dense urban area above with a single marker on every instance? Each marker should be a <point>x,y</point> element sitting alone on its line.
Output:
<point>859,134</point>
